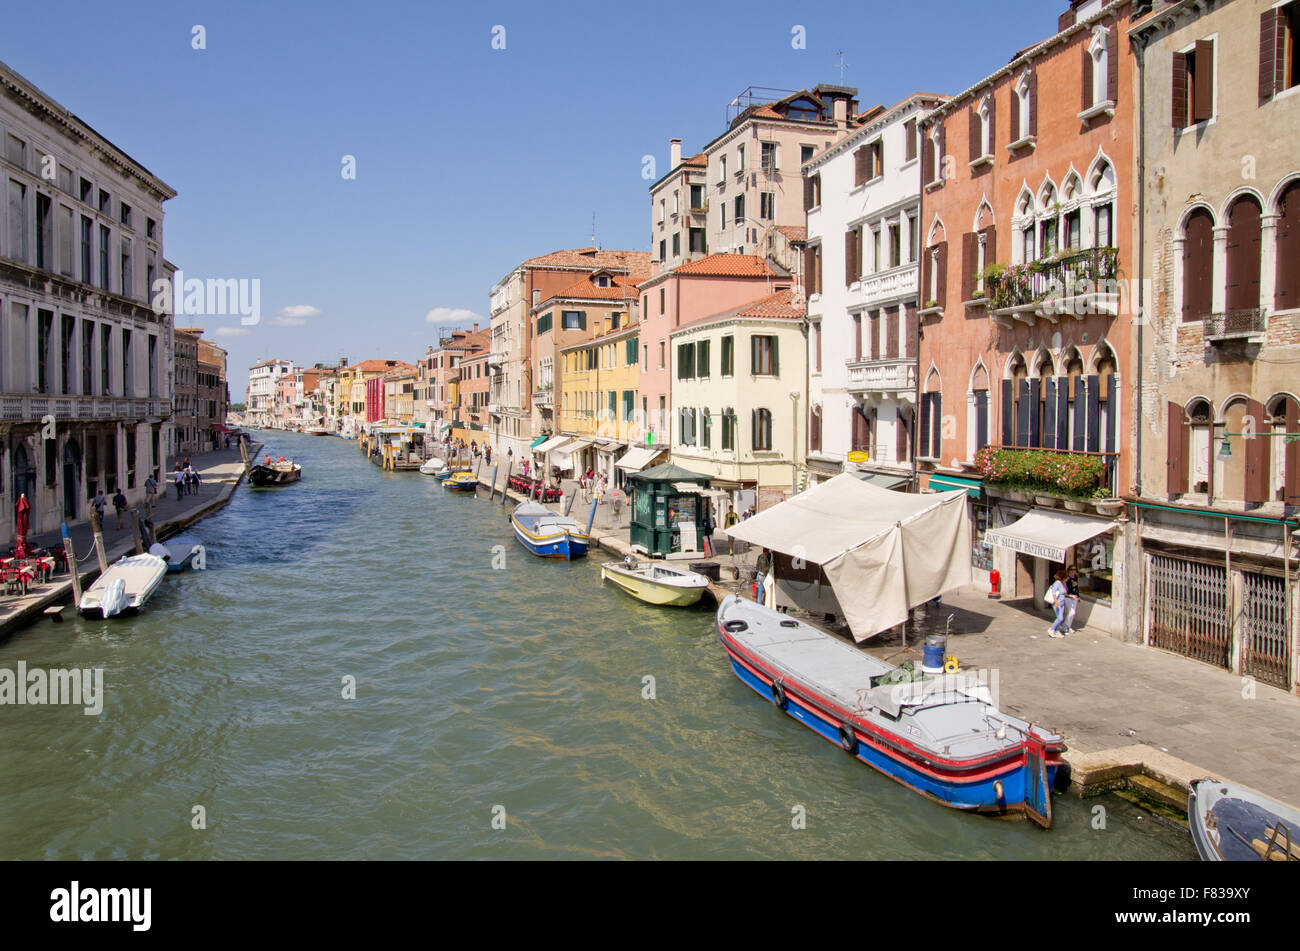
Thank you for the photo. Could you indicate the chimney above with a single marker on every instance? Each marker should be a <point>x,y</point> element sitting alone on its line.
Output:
<point>475,327</point>
<point>537,297</point>
<point>674,153</point>
<point>841,107</point>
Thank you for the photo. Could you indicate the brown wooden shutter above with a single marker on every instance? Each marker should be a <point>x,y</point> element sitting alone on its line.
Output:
<point>1176,442</point>
<point>1203,108</point>
<point>1291,459</point>
<point>1287,290</point>
<point>1033,103</point>
<point>909,133</point>
<point>1015,115</point>
<point>874,330</point>
<point>1112,64</point>
<point>911,346</point>
<point>943,149</point>
<point>860,160</point>
<point>990,245</point>
<point>879,168</point>
<point>974,134</point>
<point>807,193</point>
<point>927,162</point>
<point>809,262</point>
<point>1198,266</point>
<point>1272,34</point>
<point>969,259</point>
<point>1257,454</point>
<point>1245,246</point>
<point>941,294</point>
<point>900,438</point>
<point>850,256</point>
<point>1178,86</point>
<point>1087,76</point>
<point>891,333</point>
<point>927,293</point>
<point>993,123</point>
<point>857,336</point>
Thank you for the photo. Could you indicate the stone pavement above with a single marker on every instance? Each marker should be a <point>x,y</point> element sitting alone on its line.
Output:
<point>219,473</point>
<point>1108,696</point>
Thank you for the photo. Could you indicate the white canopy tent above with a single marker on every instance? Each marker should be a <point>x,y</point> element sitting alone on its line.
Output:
<point>884,552</point>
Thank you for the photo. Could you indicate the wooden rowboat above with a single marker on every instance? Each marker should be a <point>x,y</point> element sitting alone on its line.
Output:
<point>1233,824</point>
<point>655,583</point>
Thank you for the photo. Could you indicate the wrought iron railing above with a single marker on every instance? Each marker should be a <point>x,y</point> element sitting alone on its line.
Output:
<point>1073,274</point>
<point>1249,322</point>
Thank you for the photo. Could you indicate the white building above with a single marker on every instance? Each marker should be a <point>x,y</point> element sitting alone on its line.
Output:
<point>264,389</point>
<point>863,246</point>
<point>85,362</point>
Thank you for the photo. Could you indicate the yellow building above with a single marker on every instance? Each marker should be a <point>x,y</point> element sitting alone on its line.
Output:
<point>598,411</point>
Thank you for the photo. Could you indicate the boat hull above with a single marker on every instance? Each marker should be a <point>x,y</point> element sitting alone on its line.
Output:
<point>1231,823</point>
<point>125,588</point>
<point>1000,785</point>
<point>265,476</point>
<point>565,545</point>
<point>651,592</point>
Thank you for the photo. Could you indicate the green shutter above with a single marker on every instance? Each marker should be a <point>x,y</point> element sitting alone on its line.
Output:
<point>753,428</point>
<point>776,369</point>
<point>753,355</point>
<point>582,320</point>
<point>702,360</point>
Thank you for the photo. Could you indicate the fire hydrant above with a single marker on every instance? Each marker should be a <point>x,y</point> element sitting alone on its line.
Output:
<point>995,584</point>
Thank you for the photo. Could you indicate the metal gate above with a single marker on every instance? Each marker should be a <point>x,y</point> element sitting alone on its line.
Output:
<point>1265,647</point>
<point>1187,609</point>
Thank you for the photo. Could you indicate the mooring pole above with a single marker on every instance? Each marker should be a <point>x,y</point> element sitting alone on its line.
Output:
<point>71,552</point>
<point>98,531</point>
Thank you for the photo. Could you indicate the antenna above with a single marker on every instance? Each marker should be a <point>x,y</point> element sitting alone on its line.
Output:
<point>593,231</point>
<point>842,64</point>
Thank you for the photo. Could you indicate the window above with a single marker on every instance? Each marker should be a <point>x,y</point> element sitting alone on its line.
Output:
<point>913,239</point>
<point>806,152</point>
<point>126,214</point>
<point>722,215</point>
<point>686,361</point>
<point>697,198</point>
<point>875,250</point>
<point>150,229</point>
<point>645,356</point>
<point>44,232</point>
<point>706,429</point>
<point>762,427</point>
<point>895,244</point>
<point>767,206</point>
<point>812,192</point>
<point>17,220</point>
<point>1193,85</point>
<point>1022,112</point>
<point>909,140</point>
<point>768,156</point>
<point>86,191</point>
<point>740,208</point>
<point>1244,254</point>
<point>867,162</point>
<point>817,346</point>
<point>105,202</point>
<point>740,159</point>
<point>127,284</point>
<point>544,323</point>
<point>661,354</point>
<point>728,428</point>
<point>1287,283</point>
<point>722,169</point>
<point>677,244</point>
<point>728,355</point>
<point>677,202</point>
<point>763,354</point>
<point>931,429</point>
<point>702,360</point>
<point>663,248</point>
<point>103,257</point>
<point>696,240</point>
<point>16,151</point>
<point>661,211</point>
<point>661,301</point>
<point>1074,229</point>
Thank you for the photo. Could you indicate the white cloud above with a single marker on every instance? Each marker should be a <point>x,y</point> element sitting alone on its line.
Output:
<point>232,331</point>
<point>295,315</point>
<point>452,315</point>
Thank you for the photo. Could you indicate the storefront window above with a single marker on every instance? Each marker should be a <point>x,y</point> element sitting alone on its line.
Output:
<point>1094,558</point>
<point>981,553</point>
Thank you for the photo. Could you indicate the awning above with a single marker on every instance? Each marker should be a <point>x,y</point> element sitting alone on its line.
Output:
<point>1045,533</point>
<point>578,445</point>
<point>550,445</point>
<point>950,483</point>
<point>539,439</point>
<point>637,458</point>
<point>882,551</point>
<point>884,480</point>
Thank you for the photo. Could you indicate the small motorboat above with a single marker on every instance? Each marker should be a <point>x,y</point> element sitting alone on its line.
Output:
<point>1233,824</point>
<point>655,583</point>
<point>446,474</point>
<point>125,586</point>
<point>280,471</point>
<point>941,736</point>
<point>461,482</point>
<point>547,534</point>
<point>434,466</point>
<point>317,431</point>
<point>181,552</point>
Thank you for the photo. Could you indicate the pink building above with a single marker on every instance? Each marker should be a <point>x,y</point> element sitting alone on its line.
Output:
<point>711,285</point>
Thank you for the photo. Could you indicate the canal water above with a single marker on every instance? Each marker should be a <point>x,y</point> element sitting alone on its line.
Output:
<point>492,689</point>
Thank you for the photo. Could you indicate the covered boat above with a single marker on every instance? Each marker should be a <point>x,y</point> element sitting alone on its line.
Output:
<point>126,586</point>
<point>461,482</point>
<point>181,552</point>
<point>280,471</point>
<point>942,737</point>
<point>655,583</point>
<point>433,466</point>
<point>547,534</point>
<point>1233,824</point>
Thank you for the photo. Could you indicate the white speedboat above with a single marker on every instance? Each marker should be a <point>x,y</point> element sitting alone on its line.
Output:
<point>434,466</point>
<point>181,552</point>
<point>125,586</point>
<point>655,583</point>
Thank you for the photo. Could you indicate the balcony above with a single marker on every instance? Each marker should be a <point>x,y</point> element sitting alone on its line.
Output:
<point>1249,325</point>
<point>542,398</point>
<point>496,358</point>
<point>896,378</point>
<point>65,407</point>
<point>899,282</point>
<point>1077,283</point>
<point>1075,476</point>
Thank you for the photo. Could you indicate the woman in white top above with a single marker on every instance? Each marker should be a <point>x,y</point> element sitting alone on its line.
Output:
<point>1056,598</point>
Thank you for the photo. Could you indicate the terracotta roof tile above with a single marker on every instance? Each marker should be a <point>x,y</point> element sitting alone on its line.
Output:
<point>636,262</point>
<point>793,232</point>
<point>623,287</point>
<point>726,265</point>
<point>787,304</point>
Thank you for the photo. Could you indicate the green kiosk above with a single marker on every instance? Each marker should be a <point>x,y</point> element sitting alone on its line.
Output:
<point>664,510</point>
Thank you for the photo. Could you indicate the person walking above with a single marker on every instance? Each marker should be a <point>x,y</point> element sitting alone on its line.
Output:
<point>1071,598</point>
<point>706,529</point>
<point>99,501</point>
<point>732,519</point>
<point>1056,598</point>
<point>178,478</point>
<point>119,506</point>
<point>487,455</point>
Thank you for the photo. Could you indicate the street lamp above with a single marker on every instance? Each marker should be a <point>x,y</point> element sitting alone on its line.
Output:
<point>1225,449</point>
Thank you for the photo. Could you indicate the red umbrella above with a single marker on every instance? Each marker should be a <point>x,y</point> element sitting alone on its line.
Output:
<point>20,530</point>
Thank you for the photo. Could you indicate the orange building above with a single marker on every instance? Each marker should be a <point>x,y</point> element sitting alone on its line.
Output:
<point>1029,217</point>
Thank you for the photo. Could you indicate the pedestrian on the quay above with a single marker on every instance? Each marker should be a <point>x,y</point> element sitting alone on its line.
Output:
<point>525,468</point>
<point>119,506</point>
<point>706,529</point>
<point>194,480</point>
<point>762,568</point>
<point>1071,598</point>
<point>487,455</point>
<point>178,477</point>
<point>731,519</point>
<point>1056,598</point>
<point>99,501</point>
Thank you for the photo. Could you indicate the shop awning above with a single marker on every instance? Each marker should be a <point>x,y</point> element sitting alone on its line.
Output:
<point>550,445</point>
<point>637,458</point>
<point>1045,533</point>
<point>882,480</point>
<point>540,439</point>
<point>951,483</point>
<point>577,446</point>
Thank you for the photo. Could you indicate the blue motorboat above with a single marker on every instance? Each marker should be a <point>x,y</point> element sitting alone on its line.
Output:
<point>941,736</point>
<point>548,534</point>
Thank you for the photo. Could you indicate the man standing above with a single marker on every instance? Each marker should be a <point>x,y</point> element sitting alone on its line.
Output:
<point>119,506</point>
<point>150,490</point>
<point>99,501</point>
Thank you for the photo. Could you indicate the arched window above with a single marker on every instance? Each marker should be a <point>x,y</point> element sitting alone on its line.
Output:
<point>986,128</point>
<point>1244,254</point>
<point>1199,421</point>
<point>1100,57</point>
<point>1071,195</point>
<point>1287,293</point>
<point>930,433</point>
<point>1016,403</point>
<point>1047,235</point>
<point>1101,186</point>
<point>762,424</point>
<point>979,430</point>
<point>1022,114</point>
<point>1024,225</point>
<point>1198,265</point>
<point>1107,403</point>
<point>1230,473</point>
<point>1076,405</point>
<point>1284,477</point>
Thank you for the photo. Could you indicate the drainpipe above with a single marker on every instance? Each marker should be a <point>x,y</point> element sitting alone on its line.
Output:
<point>916,342</point>
<point>1141,255</point>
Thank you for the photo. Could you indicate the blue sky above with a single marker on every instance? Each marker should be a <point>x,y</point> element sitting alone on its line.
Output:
<point>468,158</point>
